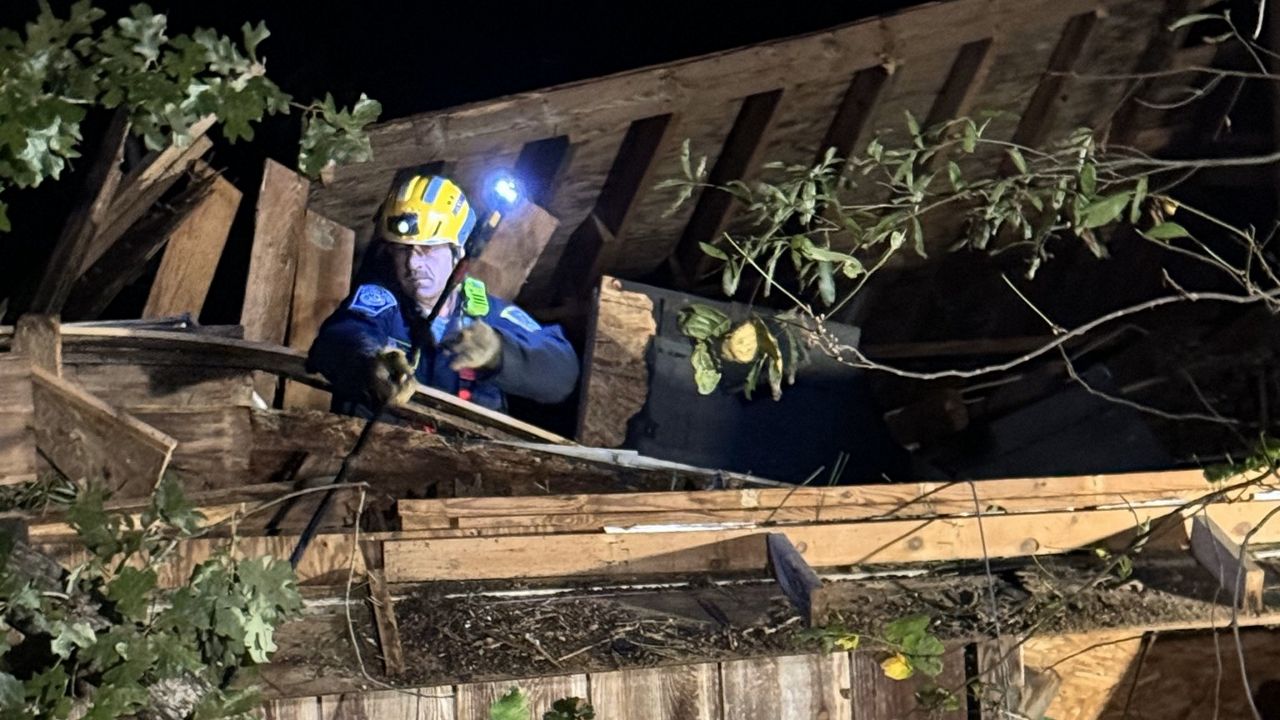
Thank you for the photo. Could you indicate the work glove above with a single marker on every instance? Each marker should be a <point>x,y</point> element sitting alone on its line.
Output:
<point>475,347</point>
<point>391,380</point>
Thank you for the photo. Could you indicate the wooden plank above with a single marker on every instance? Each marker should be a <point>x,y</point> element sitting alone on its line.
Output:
<point>39,337</point>
<point>687,692</point>
<point>475,699</point>
<point>303,708</point>
<point>1093,667</point>
<point>1037,118</point>
<point>134,387</point>
<point>616,377</point>
<point>421,703</point>
<point>798,581</point>
<point>144,185</point>
<point>1001,674</point>
<point>130,254</point>
<point>674,87</point>
<point>384,616</point>
<point>192,253</point>
<point>88,440</point>
<point>841,503</point>
<point>88,217</point>
<point>737,160</point>
<point>17,438</point>
<point>514,249</point>
<point>594,244</point>
<point>878,696</point>
<point>1233,566</point>
<point>322,281</point>
<point>279,229</point>
<point>213,443</point>
<point>794,687</point>
<point>822,545</point>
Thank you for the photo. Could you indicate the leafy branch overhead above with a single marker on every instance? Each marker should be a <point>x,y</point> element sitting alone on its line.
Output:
<point>841,220</point>
<point>58,69</point>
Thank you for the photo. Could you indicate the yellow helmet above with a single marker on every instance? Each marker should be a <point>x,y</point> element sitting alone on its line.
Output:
<point>427,210</point>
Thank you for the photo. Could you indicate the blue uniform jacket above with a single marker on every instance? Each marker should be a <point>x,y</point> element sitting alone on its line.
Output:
<point>537,362</point>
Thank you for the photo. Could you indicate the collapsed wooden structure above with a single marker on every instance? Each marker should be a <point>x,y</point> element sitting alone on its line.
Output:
<point>553,526</point>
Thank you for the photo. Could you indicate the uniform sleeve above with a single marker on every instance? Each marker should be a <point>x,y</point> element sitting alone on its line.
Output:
<point>355,332</point>
<point>537,362</point>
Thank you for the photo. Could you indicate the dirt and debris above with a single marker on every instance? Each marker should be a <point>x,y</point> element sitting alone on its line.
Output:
<point>458,634</point>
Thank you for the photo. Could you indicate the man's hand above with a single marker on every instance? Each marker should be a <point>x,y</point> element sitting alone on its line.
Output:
<point>475,347</point>
<point>391,380</point>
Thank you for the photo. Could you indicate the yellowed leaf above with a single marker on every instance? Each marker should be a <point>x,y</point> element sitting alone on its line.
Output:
<point>897,667</point>
<point>741,345</point>
<point>848,642</point>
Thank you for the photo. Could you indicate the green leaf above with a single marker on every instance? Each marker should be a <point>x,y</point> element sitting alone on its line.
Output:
<point>705,373</point>
<point>129,590</point>
<point>901,629</point>
<point>1089,180</point>
<point>1018,161</point>
<point>1104,211</point>
<point>1139,196</point>
<point>930,665</point>
<point>684,160</point>
<point>917,237</point>
<point>12,693</point>
<point>1191,19</point>
<point>713,251</point>
<point>253,36</point>
<point>4,217</point>
<point>512,706</point>
<point>68,636</point>
<point>912,125</point>
<point>956,177</point>
<point>702,322</point>
<point>1166,231</point>
<point>969,141</point>
<point>826,283</point>
<point>730,277</point>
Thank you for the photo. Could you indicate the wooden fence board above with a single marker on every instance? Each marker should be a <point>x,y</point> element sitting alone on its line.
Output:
<point>425,703</point>
<point>688,692</point>
<point>796,687</point>
<point>878,696</point>
<point>474,700</point>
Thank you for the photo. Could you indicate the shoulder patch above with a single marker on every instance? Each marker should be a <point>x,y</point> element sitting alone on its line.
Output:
<point>520,318</point>
<point>373,300</point>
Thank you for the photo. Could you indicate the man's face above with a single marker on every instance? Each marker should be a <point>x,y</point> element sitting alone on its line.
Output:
<point>423,271</point>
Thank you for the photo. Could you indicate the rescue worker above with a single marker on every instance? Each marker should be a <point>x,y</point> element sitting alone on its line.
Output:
<point>480,347</point>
